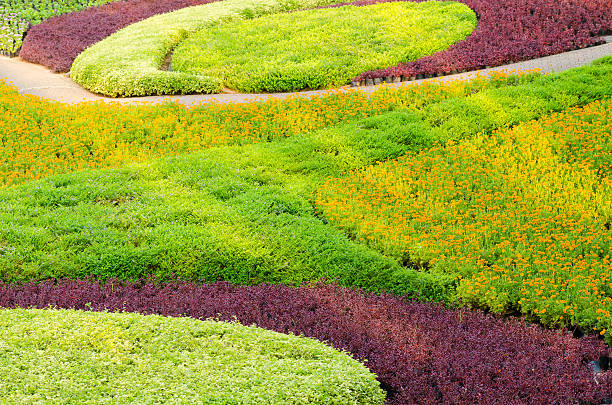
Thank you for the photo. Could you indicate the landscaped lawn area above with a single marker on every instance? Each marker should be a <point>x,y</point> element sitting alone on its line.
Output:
<point>440,243</point>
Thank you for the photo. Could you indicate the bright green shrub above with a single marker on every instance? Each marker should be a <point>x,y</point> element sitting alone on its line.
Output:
<point>128,63</point>
<point>323,47</point>
<point>75,357</point>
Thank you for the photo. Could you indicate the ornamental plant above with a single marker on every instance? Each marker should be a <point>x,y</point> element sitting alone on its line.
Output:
<point>421,353</point>
<point>93,357</point>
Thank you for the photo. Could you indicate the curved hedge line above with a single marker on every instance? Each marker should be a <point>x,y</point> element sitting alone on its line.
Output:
<point>507,32</point>
<point>93,357</point>
<point>510,31</point>
<point>421,353</point>
<point>128,63</point>
<point>321,48</point>
<point>56,42</point>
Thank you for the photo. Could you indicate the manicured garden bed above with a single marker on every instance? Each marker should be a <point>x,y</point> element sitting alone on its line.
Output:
<point>77,357</point>
<point>316,49</point>
<point>421,353</point>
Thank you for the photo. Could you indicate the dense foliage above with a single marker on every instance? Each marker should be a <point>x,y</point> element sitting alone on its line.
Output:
<point>90,357</point>
<point>245,213</point>
<point>321,48</point>
<point>421,353</point>
<point>520,216</point>
<point>16,16</point>
<point>41,138</point>
<point>129,62</point>
<point>56,42</point>
<point>510,31</point>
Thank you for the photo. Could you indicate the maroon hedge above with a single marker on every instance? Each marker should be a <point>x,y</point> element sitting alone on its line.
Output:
<point>508,30</point>
<point>511,31</point>
<point>56,42</point>
<point>422,353</point>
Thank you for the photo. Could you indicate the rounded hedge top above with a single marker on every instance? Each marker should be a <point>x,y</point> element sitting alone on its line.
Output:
<point>88,357</point>
<point>323,47</point>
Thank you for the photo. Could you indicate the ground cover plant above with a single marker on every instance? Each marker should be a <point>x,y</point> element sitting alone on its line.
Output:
<point>521,217</point>
<point>511,31</point>
<point>316,49</point>
<point>421,353</point>
<point>128,63</point>
<point>245,213</point>
<point>40,138</point>
<point>56,42</point>
<point>89,357</point>
<point>506,32</point>
<point>16,16</point>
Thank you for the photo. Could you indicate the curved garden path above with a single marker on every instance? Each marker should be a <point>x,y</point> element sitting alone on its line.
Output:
<point>39,81</point>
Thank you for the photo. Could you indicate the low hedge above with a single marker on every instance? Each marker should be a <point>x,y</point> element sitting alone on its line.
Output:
<point>76,357</point>
<point>245,213</point>
<point>421,353</point>
<point>128,63</point>
<point>321,48</point>
<point>56,42</point>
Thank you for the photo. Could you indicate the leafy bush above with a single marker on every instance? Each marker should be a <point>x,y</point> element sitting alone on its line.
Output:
<point>521,217</point>
<point>321,48</point>
<point>421,353</point>
<point>242,213</point>
<point>16,16</point>
<point>56,42</point>
<point>511,31</point>
<point>92,357</point>
<point>128,63</point>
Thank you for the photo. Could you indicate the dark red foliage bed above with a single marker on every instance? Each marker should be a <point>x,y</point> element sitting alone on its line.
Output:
<point>422,353</point>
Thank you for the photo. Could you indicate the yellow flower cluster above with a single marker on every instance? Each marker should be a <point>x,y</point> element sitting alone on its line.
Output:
<point>520,217</point>
<point>40,138</point>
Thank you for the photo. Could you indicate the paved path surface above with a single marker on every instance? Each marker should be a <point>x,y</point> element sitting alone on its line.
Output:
<point>39,81</point>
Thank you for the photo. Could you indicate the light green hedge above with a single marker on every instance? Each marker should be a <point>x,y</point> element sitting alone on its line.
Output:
<point>321,48</point>
<point>74,357</point>
<point>128,63</point>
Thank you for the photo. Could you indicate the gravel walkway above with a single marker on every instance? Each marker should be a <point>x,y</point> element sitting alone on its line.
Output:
<point>39,81</point>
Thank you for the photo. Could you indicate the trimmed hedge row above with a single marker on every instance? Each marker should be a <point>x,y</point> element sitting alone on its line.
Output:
<point>245,214</point>
<point>129,62</point>
<point>510,31</point>
<point>75,357</point>
<point>56,42</point>
<point>421,353</point>
<point>320,48</point>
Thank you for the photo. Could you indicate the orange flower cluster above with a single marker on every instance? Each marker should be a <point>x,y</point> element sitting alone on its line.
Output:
<point>39,138</point>
<point>521,217</point>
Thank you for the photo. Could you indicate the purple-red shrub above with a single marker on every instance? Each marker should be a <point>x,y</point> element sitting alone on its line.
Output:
<point>508,30</point>
<point>422,353</point>
<point>56,42</point>
<point>511,31</point>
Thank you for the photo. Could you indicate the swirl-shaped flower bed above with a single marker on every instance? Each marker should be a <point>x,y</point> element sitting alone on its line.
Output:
<point>508,31</point>
<point>421,353</point>
<point>75,357</point>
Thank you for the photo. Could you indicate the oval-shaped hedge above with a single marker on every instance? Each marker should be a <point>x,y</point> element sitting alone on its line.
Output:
<point>321,48</point>
<point>128,63</point>
<point>71,356</point>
